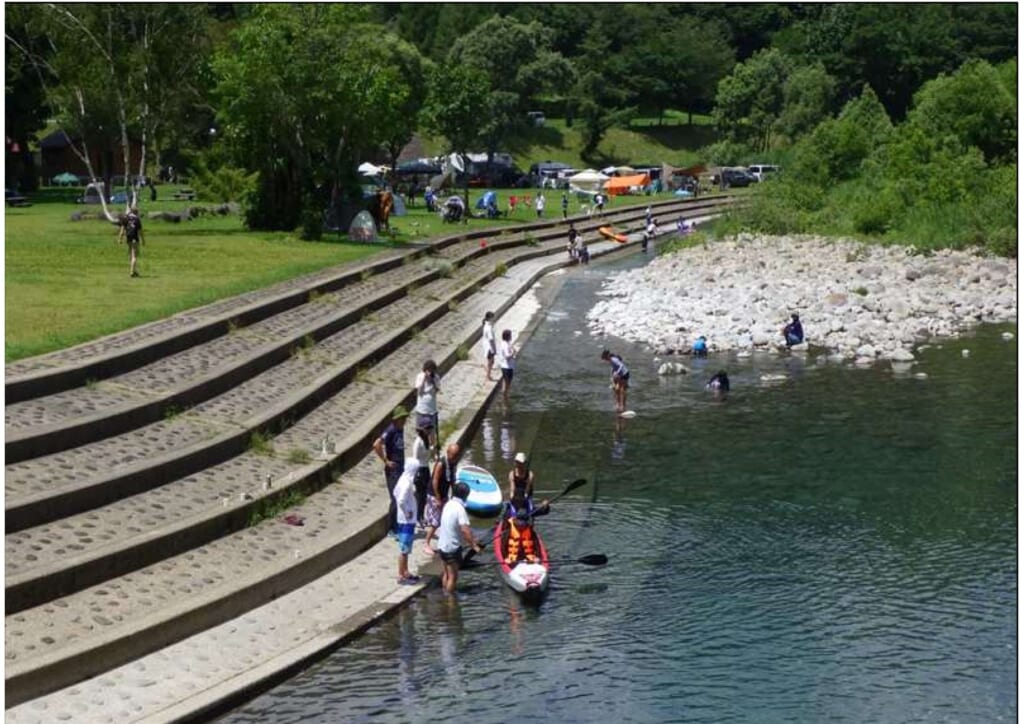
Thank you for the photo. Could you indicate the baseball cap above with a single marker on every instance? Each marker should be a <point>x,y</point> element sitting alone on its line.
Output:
<point>521,457</point>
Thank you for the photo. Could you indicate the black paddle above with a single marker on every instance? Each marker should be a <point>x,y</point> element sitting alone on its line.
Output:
<point>577,483</point>
<point>593,559</point>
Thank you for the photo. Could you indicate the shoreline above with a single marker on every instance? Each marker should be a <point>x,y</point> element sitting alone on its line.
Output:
<point>857,301</point>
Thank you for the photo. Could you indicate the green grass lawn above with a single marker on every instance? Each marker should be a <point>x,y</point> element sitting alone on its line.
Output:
<point>67,281</point>
<point>677,145</point>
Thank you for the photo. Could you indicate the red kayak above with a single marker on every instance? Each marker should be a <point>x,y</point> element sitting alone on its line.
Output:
<point>529,580</point>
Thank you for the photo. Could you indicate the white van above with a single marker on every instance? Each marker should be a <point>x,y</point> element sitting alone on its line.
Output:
<point>760,171</point>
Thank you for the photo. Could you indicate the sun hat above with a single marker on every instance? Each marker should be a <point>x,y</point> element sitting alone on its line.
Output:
<point>521,457</point>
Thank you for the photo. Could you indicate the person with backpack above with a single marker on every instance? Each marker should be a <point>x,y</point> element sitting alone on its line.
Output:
<point>131,234</point>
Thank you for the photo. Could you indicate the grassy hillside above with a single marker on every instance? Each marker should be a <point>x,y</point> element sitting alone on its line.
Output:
<point>643,142</point>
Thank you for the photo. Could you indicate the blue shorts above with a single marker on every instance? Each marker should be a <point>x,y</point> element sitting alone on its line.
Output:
<point>406,533</point>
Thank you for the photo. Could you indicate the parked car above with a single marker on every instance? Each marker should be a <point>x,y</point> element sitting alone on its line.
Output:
<point>760,171</point>
<point>737,177</point>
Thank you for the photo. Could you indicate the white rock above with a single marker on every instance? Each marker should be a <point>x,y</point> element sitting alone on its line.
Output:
<point>965,353</point>
<point>673,368</point>
<point>1007,336</point>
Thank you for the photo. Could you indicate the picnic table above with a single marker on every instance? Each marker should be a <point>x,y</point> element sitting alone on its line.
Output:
<point>13,198</point>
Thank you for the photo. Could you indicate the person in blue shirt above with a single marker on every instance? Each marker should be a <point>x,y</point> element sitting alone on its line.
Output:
<point>700,347</point>
<point>793,332</point>
<point>620,379</point>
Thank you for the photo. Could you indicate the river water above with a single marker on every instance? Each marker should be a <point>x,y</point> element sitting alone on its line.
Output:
<point>838,545</point>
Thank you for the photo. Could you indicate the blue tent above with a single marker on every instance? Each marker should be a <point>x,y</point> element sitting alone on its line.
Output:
<point>488,199</point>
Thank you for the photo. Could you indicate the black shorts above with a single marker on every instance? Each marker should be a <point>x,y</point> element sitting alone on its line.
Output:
<point>453,557</point>
<point>506,373</point>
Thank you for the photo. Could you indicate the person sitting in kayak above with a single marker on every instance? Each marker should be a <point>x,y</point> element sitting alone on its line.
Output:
<point>719,383</point>
<point>793,332</point>
<point>519,502</point>
<point>521,544</point>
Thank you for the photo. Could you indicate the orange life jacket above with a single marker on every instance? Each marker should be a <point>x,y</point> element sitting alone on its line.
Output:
<point>520,538</point>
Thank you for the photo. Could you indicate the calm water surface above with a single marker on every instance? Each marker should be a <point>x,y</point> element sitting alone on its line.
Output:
<point>839,546</point>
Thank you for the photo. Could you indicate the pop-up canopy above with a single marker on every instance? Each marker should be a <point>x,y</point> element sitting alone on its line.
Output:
<point>623,184</point>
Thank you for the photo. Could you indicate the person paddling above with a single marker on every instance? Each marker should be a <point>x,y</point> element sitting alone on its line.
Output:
<point>520,481</point>
<point>519,540</point>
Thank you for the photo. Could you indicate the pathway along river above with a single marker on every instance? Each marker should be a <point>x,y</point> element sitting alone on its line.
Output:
<point>839,546</point>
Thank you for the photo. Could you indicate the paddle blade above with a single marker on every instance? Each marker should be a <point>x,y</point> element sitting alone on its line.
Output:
<point>594,559</point>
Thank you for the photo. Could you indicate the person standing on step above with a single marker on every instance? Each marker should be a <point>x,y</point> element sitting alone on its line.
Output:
<point>487,339</point>
<point>507,353</point>
<point>405,503</point>
<point>421,483</point>
<point>441,483</point>
<point>427,385</point>
<point>390,448</point>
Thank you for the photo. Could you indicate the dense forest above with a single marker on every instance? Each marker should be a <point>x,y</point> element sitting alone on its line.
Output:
<point>888,119</point>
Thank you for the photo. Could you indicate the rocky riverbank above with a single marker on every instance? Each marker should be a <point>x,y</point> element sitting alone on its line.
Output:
<point>855,300</point>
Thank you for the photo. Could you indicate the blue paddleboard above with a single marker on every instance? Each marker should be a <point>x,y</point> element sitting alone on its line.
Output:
<point>484,493</point>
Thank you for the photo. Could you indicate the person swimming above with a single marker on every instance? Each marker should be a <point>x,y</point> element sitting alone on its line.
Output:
<point>719,382</point>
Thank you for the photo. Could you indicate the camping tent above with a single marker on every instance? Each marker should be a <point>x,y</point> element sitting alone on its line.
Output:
<point>587,180</point>
<point>368,169</point>
<point>488,199</point>
<point>625,184</point>
<point>619,171</point>
<point>363,227</point>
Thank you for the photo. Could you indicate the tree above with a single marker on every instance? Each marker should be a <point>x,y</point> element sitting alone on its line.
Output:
<point>455,106</point>
<point>398,116</point>
<point>751,99</point>
<point>518,64</point>
<point>25,109</point>
<point>599,99</point>
<point>304,91</point>
<point>807,97</point>
<point>112,72</point>
<point>975,106</point>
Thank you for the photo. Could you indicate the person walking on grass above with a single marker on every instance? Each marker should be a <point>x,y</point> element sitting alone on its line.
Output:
<point>539,205</point>
<point>507,353</point>
<point>453,533</point>
<point>390,448</point>
<point>405,503</point>
<point>620,379</point>
<point>487,339</point>
<point>565,205</point>
<point>131,234</point>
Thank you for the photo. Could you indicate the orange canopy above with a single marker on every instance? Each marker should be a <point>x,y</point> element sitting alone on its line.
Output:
<point>622,184</point>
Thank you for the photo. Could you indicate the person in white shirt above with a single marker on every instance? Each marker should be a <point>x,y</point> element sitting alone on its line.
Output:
<point>487,338</point>
<point>421,451</point>
<point>453,532</point>
<point>507,361</point>
<point>540,205</point>
<point>405,501</point>
<point>427,385</point>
